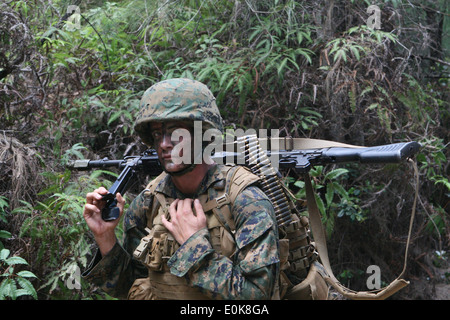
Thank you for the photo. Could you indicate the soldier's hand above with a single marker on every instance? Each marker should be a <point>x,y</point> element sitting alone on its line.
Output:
<point>183,222</point>
<point>103,231</point>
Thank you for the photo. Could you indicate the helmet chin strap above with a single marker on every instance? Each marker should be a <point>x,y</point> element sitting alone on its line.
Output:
<point>182,171</point>
<point>187,169</point>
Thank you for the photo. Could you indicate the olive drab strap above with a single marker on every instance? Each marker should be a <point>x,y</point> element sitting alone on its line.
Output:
<point>149,192</point>
<point>320,240</point>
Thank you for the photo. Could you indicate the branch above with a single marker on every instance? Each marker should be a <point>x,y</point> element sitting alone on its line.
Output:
<point>436,59</point>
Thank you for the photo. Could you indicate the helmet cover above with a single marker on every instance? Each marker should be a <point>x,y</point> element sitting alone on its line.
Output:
<point>177,100</point>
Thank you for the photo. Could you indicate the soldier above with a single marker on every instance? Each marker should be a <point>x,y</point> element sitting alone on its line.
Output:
<point>177,243</point>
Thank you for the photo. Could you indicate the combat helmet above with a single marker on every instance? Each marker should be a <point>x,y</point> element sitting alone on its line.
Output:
<point>177,99</point>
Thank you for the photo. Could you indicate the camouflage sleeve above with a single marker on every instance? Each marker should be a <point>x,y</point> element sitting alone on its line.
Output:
<point>116,271</point>
<point>251,273</point>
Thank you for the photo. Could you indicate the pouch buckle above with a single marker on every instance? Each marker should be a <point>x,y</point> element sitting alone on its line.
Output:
<point>141,249</point>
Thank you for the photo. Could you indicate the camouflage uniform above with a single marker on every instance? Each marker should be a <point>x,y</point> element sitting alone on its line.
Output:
<point>250,272</point>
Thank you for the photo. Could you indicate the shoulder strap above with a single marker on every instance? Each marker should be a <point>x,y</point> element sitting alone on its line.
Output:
<point>150,192</point>
<point>151,187</point>
<point>321,245</point>
<point>237,179</point>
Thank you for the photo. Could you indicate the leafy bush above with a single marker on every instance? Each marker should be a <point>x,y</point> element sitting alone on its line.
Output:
<point>10,279</point>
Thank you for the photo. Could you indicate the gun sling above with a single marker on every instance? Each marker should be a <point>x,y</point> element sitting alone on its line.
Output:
<point>321,246</point>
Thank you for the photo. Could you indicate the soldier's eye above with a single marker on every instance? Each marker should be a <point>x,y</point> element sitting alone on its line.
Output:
<point>156,134</point>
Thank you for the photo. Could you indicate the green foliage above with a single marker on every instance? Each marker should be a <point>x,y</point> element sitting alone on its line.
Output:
<point>270,64</point>
<point>333,200</point>
<point>277,47</point>
<point>425,108</point>
<point>241,69</point>
<point>3,219</point>
<point>358,41</point>
<point>57,227</point>
<point>14,284</point>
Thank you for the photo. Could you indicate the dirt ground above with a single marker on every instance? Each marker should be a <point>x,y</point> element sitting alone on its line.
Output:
<point>442,287</point>
<point>435,284</point>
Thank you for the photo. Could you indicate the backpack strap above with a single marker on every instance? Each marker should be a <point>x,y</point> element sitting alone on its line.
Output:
<point>237,179</point>
<point>151,194</point>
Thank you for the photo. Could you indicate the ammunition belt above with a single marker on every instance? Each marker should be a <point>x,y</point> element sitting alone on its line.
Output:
<point>258,162</point>
<point>294,228</point>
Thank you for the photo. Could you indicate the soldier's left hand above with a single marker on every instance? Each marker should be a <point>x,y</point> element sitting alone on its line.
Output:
<point>183,222</point>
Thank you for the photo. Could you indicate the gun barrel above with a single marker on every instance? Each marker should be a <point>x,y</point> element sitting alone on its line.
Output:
<point>391,153</point>
<point>87,164</point>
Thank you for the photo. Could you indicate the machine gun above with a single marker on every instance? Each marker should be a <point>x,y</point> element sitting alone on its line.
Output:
<point>255,158</point>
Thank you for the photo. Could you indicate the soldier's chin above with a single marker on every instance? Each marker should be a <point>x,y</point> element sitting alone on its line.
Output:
<point>174,167</point>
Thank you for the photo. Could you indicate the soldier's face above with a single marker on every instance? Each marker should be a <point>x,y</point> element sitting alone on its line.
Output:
<point>173,144</point>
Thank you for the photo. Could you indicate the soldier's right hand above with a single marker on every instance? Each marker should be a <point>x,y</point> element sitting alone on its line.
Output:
<point>103,231</point>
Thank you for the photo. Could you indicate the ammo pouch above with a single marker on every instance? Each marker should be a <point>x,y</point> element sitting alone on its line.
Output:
<point>155,249</point>
<point>301,276</point>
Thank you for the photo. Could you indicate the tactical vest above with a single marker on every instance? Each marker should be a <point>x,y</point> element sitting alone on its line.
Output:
<point>297,254</point>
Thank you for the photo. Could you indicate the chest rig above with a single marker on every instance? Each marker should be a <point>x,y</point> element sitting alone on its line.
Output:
<point>158,246</point>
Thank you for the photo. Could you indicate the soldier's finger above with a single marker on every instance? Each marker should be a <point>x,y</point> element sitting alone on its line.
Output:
<point>167,224</point>
<point>120,202</point>
<point>199,211</point>
<point>101,190</point>
<point>120,199</point>
<point>186,206</point>
<point>90,209</point>
<point>91,197</point>
<point>173,209</point>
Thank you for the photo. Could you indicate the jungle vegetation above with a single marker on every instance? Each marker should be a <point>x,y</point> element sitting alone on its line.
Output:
<point>72,73</point>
